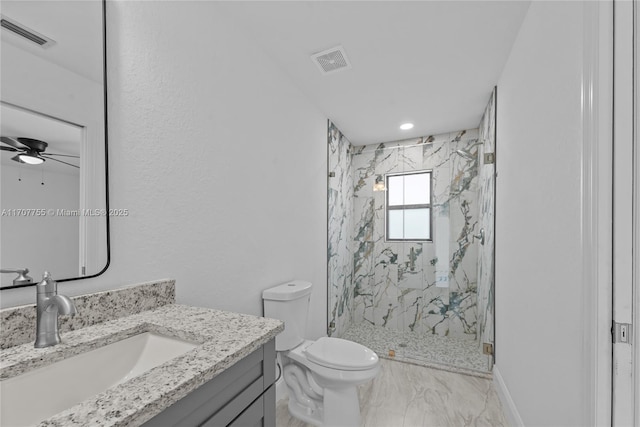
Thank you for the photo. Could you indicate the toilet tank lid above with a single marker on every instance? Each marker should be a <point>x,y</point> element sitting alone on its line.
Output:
<point>287,291</point>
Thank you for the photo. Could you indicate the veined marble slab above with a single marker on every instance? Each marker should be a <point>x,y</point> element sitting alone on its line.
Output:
<point>426,287</point>
<point>487,221</point>
<point>340,230</point>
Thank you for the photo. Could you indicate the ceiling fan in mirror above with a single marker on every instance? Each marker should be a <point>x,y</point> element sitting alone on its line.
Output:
<point>31,151</point>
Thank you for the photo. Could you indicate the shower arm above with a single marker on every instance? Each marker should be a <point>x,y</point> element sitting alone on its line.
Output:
<point>465,152</point>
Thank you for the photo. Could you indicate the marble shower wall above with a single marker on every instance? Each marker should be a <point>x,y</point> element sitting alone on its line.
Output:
<point>340,231</point>
<point>486,202</point>
<point>429,286</point>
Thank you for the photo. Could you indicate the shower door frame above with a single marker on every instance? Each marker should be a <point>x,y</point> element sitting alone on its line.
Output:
<point>597,209</point>
<point>626,206</point>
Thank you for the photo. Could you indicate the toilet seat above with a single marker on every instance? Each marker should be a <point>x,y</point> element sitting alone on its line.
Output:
<point>336,353</point>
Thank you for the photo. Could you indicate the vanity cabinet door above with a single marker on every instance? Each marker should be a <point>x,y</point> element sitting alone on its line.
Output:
<point>255,415</point>
<point>258,414</point>
<point>242,395</point>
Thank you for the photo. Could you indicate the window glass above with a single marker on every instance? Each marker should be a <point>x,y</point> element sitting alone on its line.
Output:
<point>417,224</point>
<point>416,189</point>
<point>395,189</point>
<point>396,224</point>
<point>408,209</point>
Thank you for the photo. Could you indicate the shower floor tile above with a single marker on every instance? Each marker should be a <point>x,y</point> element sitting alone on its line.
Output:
<point>460,355</point>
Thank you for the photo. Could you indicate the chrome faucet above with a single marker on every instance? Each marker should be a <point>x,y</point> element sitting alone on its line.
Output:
<point>49,305</point>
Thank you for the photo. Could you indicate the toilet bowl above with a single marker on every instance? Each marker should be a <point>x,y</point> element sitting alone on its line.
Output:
<point>321,376</point>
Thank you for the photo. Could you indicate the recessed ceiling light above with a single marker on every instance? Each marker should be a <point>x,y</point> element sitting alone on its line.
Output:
<point>406,126</point>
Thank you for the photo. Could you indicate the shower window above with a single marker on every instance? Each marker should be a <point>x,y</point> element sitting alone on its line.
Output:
<point>408,207</point>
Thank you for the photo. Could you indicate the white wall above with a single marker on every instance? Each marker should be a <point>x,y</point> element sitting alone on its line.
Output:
<point>539,293</point>
<point>220,160</point>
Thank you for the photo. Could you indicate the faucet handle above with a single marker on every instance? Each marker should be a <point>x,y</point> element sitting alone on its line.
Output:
<point>480,236</point>
<point>47,285</point>
<point>22,278</point>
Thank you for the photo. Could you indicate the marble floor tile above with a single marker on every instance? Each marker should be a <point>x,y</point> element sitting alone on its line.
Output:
<point>452,354</point>
<point>408,395</point>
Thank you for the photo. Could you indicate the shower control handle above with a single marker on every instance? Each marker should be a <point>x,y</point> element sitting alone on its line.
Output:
<point>480,236</point>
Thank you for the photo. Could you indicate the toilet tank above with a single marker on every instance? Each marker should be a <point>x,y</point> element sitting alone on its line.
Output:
<point>289,302</point>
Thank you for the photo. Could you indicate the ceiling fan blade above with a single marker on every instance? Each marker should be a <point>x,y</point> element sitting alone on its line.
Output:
<point>13,142</point>
<point>62,155</point>
<point>8,148</point>
<point>60,161</point>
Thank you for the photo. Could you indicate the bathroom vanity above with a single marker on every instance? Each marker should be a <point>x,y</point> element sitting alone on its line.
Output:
<point>242,395</point>
<point>225,378</point>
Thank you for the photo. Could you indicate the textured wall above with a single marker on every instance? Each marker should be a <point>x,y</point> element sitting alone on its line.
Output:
<point>429,286</point>
<point>486,218</point>
<point>340,229</point>
<point>539,292</point>
<point>219,158</point>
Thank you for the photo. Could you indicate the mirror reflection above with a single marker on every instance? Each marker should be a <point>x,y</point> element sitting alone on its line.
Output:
<point>53,146</point>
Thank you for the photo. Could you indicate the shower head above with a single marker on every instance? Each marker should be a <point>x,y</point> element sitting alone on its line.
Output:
<point>466,154</point>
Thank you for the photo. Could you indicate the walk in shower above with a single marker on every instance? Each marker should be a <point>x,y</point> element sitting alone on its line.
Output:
<point>410,246</point>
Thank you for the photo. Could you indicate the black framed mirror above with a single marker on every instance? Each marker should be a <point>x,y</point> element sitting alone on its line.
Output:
<point>54,194</point>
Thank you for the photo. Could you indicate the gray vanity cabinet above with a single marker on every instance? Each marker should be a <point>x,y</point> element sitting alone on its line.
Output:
<point>243,395</point>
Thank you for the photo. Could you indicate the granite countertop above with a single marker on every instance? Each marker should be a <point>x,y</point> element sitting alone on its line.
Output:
<point>225,339</point>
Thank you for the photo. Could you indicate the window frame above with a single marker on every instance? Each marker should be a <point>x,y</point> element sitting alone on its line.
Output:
<point>388,208</point>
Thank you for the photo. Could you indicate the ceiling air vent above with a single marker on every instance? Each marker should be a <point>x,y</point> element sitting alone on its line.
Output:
<point>26,33</point>
<point>331,60</point>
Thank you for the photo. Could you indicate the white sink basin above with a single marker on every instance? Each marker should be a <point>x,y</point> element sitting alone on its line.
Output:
<point>46,391</point>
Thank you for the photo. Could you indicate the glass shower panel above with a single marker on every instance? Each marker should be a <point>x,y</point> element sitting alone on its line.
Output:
<point>410,300</point>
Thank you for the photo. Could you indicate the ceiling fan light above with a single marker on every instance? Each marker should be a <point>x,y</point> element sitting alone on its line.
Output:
<point>29,159</point>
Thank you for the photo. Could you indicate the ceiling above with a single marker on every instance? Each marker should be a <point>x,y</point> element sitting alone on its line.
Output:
<point>75,26</point>
<point>433,63</point>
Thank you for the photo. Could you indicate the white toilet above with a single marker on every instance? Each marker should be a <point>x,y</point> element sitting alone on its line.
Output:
<point>321,376</point>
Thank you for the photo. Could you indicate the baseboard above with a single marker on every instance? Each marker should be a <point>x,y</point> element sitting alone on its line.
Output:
<point>510,410</point>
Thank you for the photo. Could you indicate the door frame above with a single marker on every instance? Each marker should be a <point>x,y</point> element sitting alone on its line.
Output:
<point>597,215</point>
<point>626,239</point>
<point>636,207</point>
